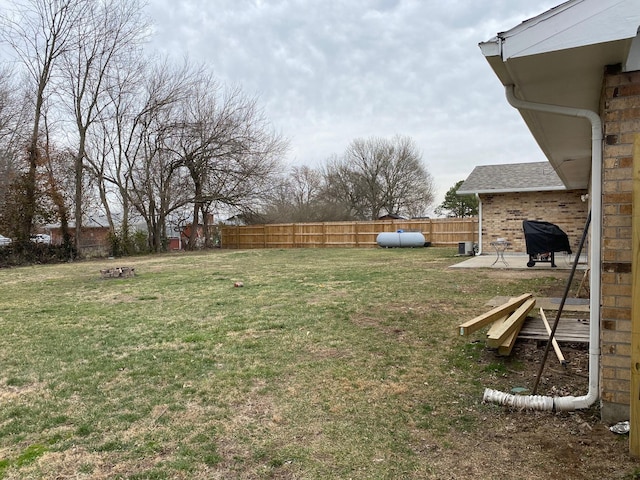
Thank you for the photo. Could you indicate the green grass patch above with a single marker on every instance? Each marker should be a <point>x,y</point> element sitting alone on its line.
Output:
<point>328,363</point>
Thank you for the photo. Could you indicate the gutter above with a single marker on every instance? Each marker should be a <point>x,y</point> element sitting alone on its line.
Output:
<point>512,190</point>
<point>568,403</point>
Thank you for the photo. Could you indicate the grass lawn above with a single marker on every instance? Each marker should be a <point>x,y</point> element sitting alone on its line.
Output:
<point>327,363</point>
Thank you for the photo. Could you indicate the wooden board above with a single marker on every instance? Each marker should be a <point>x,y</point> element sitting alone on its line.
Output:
<point>506,347</point>
<point>491,316</point>
<point>497,324</point>
<point>580,305</point>
<point>514,322</point>
<point>554,341</point>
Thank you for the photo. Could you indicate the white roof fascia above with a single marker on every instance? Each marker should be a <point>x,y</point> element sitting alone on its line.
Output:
<point>514,190</point>
<point>633,59</point>
<point>492,47</point>
<point>573,24</point>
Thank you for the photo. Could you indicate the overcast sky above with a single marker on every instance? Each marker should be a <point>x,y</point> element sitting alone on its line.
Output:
<point>329,71</point>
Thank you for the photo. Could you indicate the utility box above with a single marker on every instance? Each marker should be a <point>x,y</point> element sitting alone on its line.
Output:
<point>465,248</point>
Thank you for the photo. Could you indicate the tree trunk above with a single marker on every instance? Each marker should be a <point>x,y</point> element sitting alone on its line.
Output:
<point>30,186</point>
<point>79,170</point>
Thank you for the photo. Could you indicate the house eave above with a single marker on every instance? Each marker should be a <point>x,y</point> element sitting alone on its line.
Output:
<point>559,58</point>
<point>512,190</point>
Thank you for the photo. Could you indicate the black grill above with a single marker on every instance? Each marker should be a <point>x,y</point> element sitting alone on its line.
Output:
<point>543,240</point>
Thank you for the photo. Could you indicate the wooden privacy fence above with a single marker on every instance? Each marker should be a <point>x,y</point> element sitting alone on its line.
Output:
<point>440,232</point>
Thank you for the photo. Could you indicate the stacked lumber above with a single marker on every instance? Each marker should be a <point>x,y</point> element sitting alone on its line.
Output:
<point>506,320</point>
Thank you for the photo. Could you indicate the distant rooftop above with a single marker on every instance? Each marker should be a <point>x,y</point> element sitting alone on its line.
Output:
<point>514,177</point>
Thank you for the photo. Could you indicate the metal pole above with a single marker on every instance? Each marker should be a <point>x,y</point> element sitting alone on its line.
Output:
<point>564,299</point>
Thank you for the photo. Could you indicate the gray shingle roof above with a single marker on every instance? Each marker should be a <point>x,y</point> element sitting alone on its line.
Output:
<point>514,177</point>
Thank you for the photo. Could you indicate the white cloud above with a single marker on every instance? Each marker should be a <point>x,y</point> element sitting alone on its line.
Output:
<point>329,71</point>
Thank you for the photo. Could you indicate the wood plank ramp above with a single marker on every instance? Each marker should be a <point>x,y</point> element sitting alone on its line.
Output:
<point>571,330</point>
<point>573,326</point>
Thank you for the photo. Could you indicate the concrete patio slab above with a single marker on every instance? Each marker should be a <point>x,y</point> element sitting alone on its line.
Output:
<point>516,261</point>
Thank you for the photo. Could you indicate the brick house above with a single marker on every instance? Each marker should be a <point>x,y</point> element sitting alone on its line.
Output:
<point>511,193</point>
<point>95,237</point>
<point>573,73</point>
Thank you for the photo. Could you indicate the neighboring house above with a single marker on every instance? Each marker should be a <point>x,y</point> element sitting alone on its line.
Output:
<point>95,233</point>
<point>573,73</point>
<point>238,220</point>
<point>512,193</point>
<point>185,233</point>
<point>174,241</point>
<point>94,238</point>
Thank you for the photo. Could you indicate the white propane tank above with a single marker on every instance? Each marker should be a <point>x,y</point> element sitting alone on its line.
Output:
<point>400,239</point>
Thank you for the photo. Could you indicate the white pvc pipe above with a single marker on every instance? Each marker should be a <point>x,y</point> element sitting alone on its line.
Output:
<point>522,402</point>
<point>535,402</point>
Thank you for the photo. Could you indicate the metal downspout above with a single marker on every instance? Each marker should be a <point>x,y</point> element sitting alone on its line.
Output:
<point>537,402</point>
<point>479,225</point>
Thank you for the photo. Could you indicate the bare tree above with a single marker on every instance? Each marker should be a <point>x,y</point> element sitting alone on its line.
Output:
<point>117,138</point>
<point>340,186</point>
<point>144,138</point>
<point>377,175</point>
<point>13,117</point>
<point>12,136</point>
<point>224,142</point>
<point>408,186</point>
<point>39,32</point>
<point>129,156</point>
<point>305,185</point>
<point>58,182</point>
<point>157,183</point>
<point>299,197</point>
<point>108,40</point>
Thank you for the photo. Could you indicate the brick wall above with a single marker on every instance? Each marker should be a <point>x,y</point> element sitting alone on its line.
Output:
<point>503,213</point>
<point>621,116</point>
